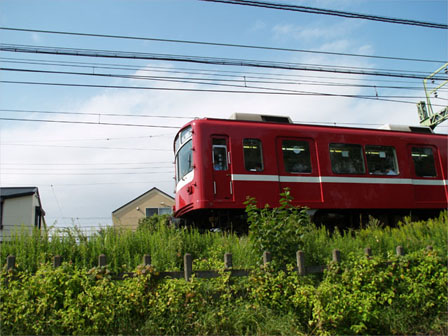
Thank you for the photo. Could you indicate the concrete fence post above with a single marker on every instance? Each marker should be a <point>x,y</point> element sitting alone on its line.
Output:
<point>228,262</point>
<point>301,262</point>
<point>10,262</point>
<point>147,260</point>
<point>336,256</point>
<point>368,252</point>
<point>188,266</point>
<point>267,258</point>
<point>102,260</point>
<point>57,261</point>
<point>399,250</point>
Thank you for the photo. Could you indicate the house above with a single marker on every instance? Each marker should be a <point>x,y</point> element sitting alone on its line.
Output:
<point>19,206</point>
<point>152,202</point>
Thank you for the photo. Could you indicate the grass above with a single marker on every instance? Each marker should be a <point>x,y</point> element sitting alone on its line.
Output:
<point>125,249</point>
<point>167,245</point>
<point>383,240</point>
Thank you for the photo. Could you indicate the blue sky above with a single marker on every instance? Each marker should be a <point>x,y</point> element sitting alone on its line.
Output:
<point>84,172</point>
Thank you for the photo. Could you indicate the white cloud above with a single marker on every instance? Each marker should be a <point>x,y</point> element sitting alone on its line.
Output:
<point>315,33</point>
<point>36,37</point>
<point>258,26</point>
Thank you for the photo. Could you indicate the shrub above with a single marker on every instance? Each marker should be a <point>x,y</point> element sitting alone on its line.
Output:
<point>404,295</point>
<point>280,230</point>
<point>394,295</point>
<point>69,300</point>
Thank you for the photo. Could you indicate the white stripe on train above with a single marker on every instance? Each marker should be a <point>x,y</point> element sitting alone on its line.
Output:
<point>321,179</point>
<point>336,179</point>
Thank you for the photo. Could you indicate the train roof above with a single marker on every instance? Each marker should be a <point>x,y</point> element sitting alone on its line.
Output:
<point>286,121</point>
<point>250,117</point>
<point>407,128</point>
<point>261,117</point>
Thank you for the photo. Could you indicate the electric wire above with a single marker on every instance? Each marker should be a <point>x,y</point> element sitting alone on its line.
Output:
<point>84,169</point>
<point>177,128</point>
<point>94,184</point>
<point>314,10</point>
<point>78,163</point>
<point>87,147</point>
<point>233,45</point>
<point>86,174</point>
<point>101,114</point>
<point>102,123</point>
<point>208,60</point>
<point>288,92</point>
<point>196,71</point>
<point>244,86</point>
<point>212,81</point>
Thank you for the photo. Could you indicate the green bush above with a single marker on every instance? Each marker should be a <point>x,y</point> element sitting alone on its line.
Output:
<point>394,295</point>
<point>403,295</point>
<point>280,231</point>
<point>70,300</point>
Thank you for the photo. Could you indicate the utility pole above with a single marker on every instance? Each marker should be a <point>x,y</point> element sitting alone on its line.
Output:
<point>425,111</point>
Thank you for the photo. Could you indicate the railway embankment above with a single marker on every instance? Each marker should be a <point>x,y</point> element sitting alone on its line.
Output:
<point>379,290</point>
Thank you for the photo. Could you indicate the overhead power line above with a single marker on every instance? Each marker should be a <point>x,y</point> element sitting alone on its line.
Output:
<point>143,163</point>
<point>208,81</point>
<point>77,164</point>
<point>207,60</point>
<point>100,114</point>
<point>137,125</point>
<point>93,184</point>
<point>291,93</point>
<point>85,147</point>
<point>244,88</point>
<point>93,66</point>
<point>21,164</point>
<point>87,123</point>
<point>102,173</point>
<point>88,169</point>
<point>314,10</point>
<point>232,45</point>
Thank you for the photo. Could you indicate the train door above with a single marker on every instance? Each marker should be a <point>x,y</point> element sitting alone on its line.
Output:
<point>298,169</point>
<point>427,177</point>
<point>222,183</point>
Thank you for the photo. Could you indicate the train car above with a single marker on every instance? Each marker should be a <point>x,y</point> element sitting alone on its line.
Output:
<point>333,171</point>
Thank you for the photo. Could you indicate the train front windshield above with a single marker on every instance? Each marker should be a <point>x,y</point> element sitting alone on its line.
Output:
<point>184,153</point>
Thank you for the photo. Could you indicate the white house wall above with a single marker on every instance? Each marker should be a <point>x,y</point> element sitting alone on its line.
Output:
<point>18,212</point>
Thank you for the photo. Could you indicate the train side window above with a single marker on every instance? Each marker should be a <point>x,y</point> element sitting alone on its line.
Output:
<point>253,155</point>
<point>423,158</point>
<point>219,154</point>
<point>381,160</point>
<point>346,159</point>
<point>296,156</point>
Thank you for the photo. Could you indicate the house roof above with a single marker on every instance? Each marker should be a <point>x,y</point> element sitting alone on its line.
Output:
<point>13,192</point>
<point>142,195</point>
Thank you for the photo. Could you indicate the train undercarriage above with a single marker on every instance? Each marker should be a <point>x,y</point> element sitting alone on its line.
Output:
<point>235,220</point>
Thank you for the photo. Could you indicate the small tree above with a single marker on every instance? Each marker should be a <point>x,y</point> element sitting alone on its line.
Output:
<point>280,230</point>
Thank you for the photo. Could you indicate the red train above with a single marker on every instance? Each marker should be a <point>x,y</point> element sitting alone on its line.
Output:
<point>334,171</point>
